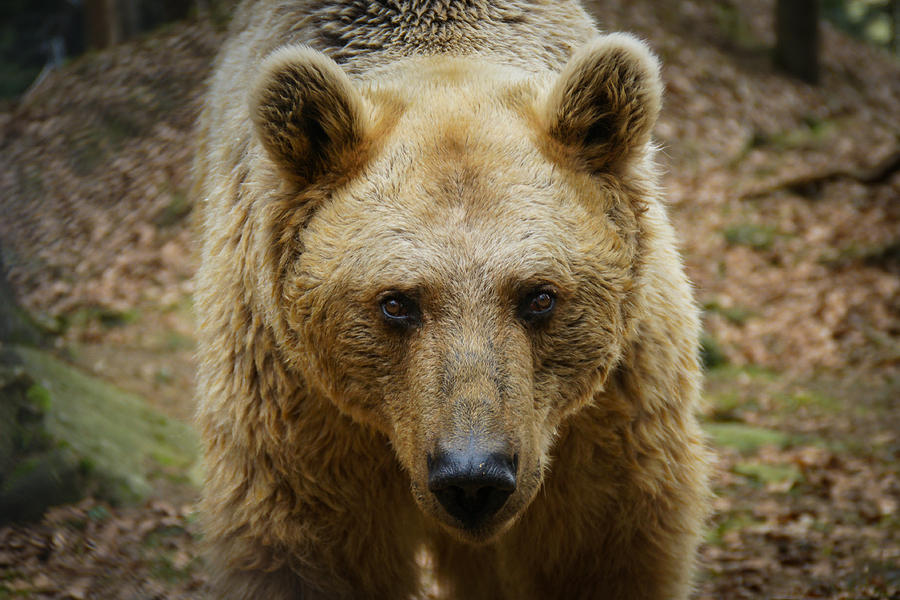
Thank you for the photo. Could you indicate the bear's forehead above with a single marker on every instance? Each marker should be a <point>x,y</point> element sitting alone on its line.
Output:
<point>459,185</point>
<point>432,97</point>
<point>460,189</point>
<point>460,221</point>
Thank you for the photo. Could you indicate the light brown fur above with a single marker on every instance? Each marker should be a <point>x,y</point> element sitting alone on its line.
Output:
<point>462,153</point>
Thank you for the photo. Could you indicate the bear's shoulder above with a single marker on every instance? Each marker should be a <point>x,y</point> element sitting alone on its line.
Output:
<point>362,35</point>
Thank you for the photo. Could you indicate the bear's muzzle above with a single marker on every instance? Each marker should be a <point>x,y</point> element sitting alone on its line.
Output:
<point>472,485</point>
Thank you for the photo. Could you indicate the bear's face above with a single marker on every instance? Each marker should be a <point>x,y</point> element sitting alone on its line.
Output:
<point>454,255</point>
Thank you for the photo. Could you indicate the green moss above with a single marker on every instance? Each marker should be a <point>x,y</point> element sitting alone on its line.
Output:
<point>879,255</point>
<point>729,522</point>
<point>745,438</point>
<point>158,549</point>
<point>732,391</point>
<point>122,440</point>
<point>728,373</point>
<point>163,375</point>
<point>711,354</point>
<point>113,318</point>
<point>758,237</point>
<point>183,306</point>
<point>165,458</point>
<point>25,468</point>
<point>106,317</point>
<point>766,473</point>
<point>162,568</point>
<point>159,537</point>
<point>810,399</point>
<point>98,513</point>
<point>736,314</point>
<point>177,209</point>
<point>175,341</point>
<point>8,594</point>
<point>813,133</point>
<point>40,480</point>
<point>16,325</point>
<point>39,397</point>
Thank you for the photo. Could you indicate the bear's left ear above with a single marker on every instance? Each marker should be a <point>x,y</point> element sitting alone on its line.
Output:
<point>308,115</point>
<point>605,102</point>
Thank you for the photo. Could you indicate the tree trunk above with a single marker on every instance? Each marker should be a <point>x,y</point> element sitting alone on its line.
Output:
<point>109,22</point>
<point>99,17</point>
<point>797,38</point>
<point>895,26</point>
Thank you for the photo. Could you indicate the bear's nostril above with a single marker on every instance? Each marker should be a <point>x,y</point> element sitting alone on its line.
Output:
<point>472,508</point>
<point>472,487</point>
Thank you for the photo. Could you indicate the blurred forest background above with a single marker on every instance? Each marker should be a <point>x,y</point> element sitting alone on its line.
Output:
<point>784,188</point>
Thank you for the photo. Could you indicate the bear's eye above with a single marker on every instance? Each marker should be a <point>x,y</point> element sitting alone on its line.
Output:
<point>394,308</point>
<point>541,303</point>
<point>399,309</point>
<point>538,304</point>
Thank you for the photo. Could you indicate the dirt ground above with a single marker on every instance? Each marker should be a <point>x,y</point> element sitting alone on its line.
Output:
<point>787,201</point>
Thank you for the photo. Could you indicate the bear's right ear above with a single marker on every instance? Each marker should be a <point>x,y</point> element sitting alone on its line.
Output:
<point>604,104</point>
<point>308,116</point>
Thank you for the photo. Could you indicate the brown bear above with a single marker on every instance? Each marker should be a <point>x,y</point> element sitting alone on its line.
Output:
<point>441,309</point>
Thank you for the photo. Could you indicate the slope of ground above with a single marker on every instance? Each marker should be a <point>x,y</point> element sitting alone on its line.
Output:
<point>785,197</point>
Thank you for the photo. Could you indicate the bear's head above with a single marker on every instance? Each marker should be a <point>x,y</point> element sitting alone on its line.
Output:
<point>452,250</point>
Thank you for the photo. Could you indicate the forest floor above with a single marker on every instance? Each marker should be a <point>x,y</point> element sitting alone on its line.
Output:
<point>787,201</point>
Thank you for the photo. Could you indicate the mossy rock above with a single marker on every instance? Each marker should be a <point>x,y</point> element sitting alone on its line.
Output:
<point>64,434</point>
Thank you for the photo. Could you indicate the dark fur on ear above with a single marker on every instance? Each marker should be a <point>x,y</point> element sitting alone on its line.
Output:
<point>307,114</point>
<point>605,102</point>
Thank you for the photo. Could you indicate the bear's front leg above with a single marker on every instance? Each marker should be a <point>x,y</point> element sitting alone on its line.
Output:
<point>338,522</point>
<point>464,571</point>
<point>282,584</point>
<point>615,519</point>
<point>358,563</point>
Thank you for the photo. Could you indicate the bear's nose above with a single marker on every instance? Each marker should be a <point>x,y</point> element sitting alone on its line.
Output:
<point>472,485</point>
